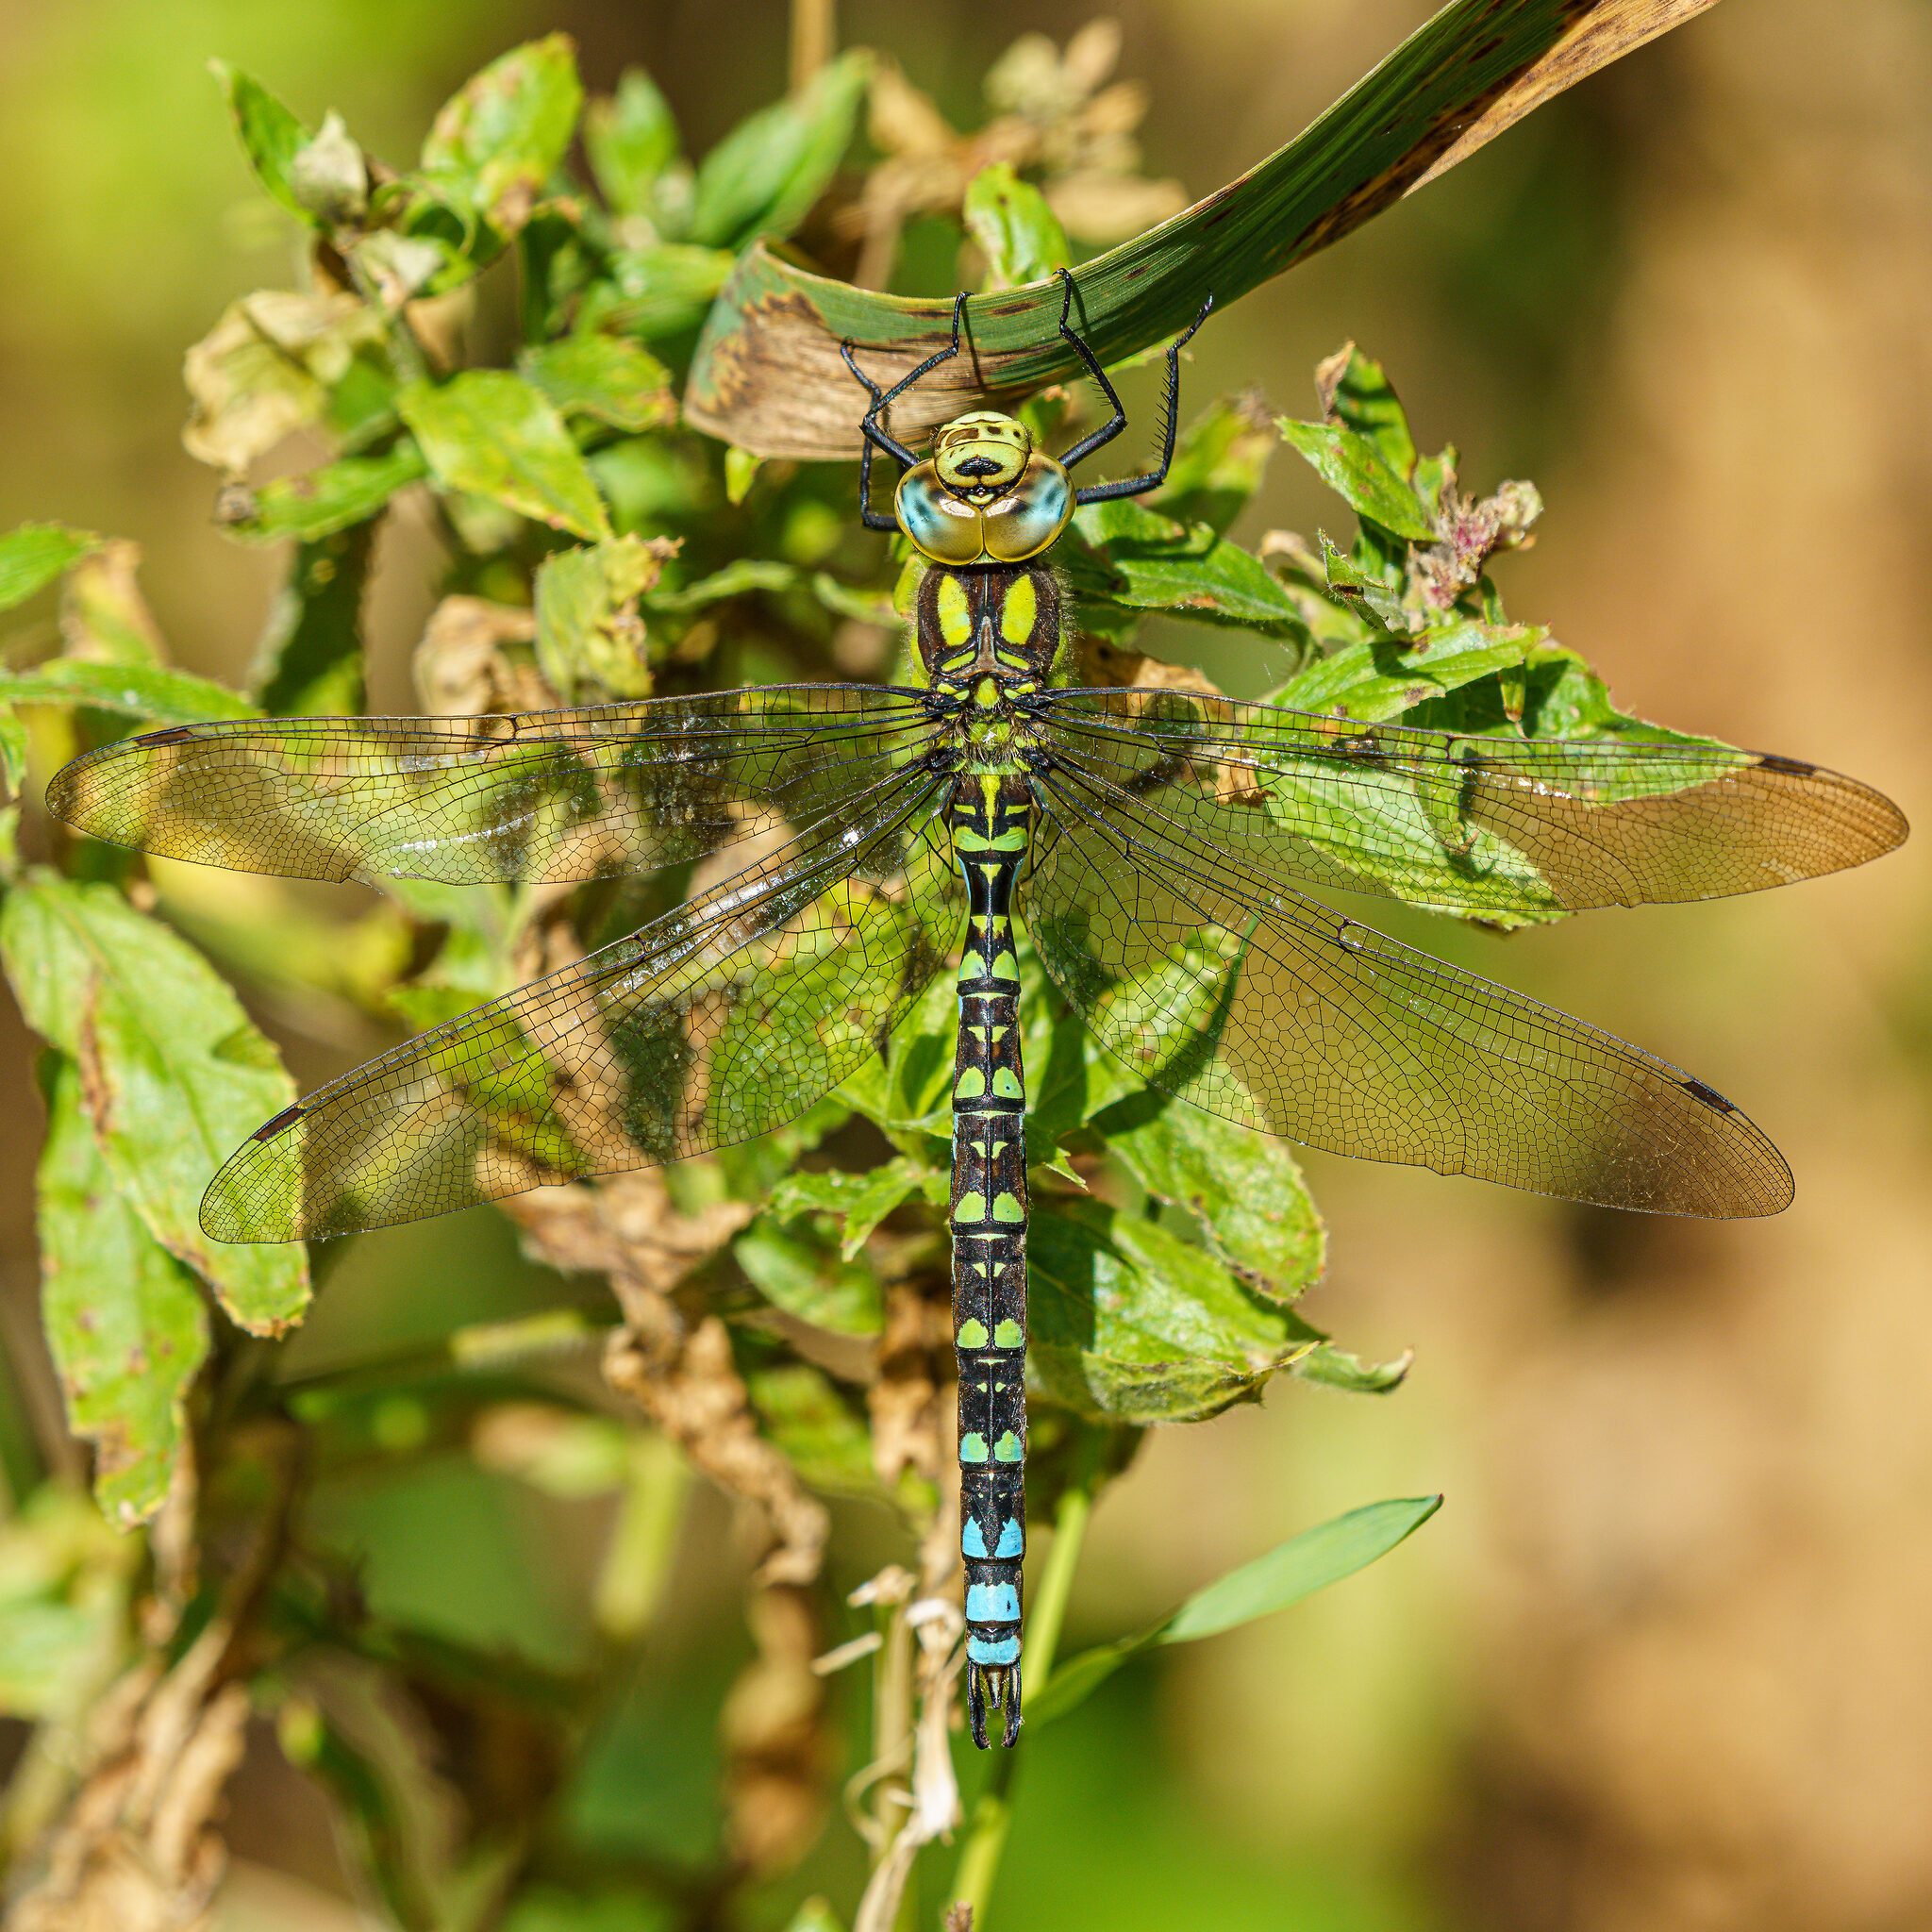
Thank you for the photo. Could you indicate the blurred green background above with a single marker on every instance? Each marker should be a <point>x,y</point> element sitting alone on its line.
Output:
<point>1662,1661</point>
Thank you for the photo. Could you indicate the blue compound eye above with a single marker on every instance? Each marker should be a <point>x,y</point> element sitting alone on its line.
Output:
<point>943,526</point>
<point>1030,517</point>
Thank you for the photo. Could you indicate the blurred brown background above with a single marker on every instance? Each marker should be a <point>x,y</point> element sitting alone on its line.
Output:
<point>1663,1660</point>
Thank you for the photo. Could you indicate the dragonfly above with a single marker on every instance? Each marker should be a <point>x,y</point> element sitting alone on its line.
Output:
<point>1156,845</point>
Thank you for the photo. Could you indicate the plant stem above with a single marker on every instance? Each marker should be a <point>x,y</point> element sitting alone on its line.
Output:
<point>814,35</point>
<point>892,1718</point>
<point>992,1815</point>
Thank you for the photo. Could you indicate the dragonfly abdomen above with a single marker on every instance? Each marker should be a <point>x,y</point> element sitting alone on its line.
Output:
<point>990,821</point>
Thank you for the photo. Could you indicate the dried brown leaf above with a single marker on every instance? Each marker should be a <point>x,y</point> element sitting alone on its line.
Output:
<point>464,666</point>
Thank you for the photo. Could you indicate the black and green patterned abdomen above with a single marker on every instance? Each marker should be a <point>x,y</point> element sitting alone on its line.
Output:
<point>990,820</point>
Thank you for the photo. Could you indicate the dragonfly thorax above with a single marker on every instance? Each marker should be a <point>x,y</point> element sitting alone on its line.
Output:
<point>985,495</point>
<point>991,633</point>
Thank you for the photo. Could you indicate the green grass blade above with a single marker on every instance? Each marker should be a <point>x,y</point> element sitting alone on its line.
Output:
<point>1284,1576</point>
<point>767,374</point>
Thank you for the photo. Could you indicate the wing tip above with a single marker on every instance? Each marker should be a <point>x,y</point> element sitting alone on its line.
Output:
<point>63,793</point>
<point>236,1209</point>
<point>1879,826</point>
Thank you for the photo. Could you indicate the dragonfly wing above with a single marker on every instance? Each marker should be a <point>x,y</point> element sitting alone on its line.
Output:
<point>575,794</point>
<point>1218,985</point>
<point>726,1017</point>
<point>1471,823</point>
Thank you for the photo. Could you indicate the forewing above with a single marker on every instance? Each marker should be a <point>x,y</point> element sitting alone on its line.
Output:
<point>1248,999</point>
<point>1472,824</point>
<point>573,795</point>
<point>727,1017</point>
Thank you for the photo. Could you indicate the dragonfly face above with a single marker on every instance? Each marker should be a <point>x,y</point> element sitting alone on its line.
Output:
<point>985,495</point>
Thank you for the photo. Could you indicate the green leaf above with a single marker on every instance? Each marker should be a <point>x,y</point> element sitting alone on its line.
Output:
<point>1355,391</point>
<point>1298,1568</point>
<point>763,177</point>
<point>659,291</point>
<point>1131,1322</point>
<point>587,627</point>
<point>334,497</point>
<point>545,1907</point>
<point>1385,676</point>
<point>489,431</point>
<point>1070,1077</point>
<point>630,140</point>
<point>1335,1368</point>
<point>816,1915</point>
<point>13,742</point>
<point>1020,236</point>
<point>860,1201</point>
<point>1353,467</point>
<point>497,141</point>
<point>124,1319</point>
<point>816,1424</point>
<point>910,1090</point>
<point>1243,1188</point>
<point>272,137</point>
<point>1367,592</point>
<point>174,1074</point>
<point>1128,556</point>
<point>35,554</point>
<point>767,373</point>
<point>604,377</point>
<point>310,662</point>
<point>1284,1576</point>
<point>133,691</point>
<point>741,472</point>
<point>65,1578</point>
<point>738,578</point>
<point>812,1282</point>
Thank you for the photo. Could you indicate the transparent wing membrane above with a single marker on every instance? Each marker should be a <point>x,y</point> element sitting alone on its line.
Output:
<point>573,795</point>
<point>726,1017</point>
<point>1216,982</point>
<point>1472,824</point>
<point>1161,890</point>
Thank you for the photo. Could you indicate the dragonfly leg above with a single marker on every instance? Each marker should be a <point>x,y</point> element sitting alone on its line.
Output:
<point>1117,420</point>
<point>874,425</point>
<point>1136,486</point>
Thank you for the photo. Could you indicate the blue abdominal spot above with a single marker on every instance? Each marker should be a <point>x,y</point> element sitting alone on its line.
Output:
<point>993,1649</point>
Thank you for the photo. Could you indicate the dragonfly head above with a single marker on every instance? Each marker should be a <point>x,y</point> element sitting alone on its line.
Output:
<point>985,495</point>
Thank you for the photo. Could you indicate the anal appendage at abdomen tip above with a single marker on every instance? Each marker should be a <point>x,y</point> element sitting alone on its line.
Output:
<point>998,1685</point>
